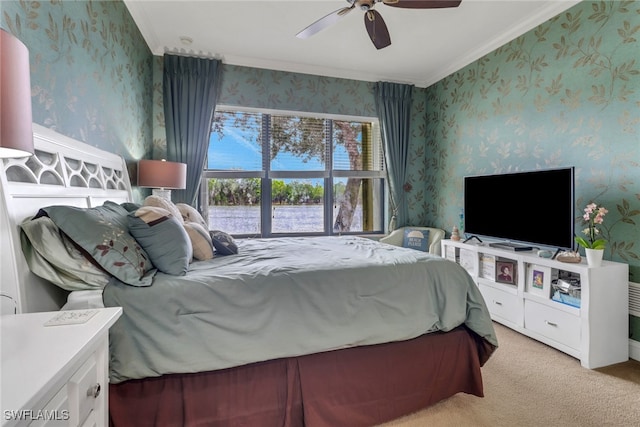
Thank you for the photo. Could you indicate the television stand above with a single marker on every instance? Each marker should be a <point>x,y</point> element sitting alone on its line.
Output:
<point>592,326</point>
<point>511,246</point>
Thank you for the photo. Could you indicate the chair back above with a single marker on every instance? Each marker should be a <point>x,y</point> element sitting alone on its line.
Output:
<point>396,237</point>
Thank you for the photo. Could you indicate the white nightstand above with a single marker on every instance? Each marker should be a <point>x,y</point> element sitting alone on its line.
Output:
<point>55,375</point>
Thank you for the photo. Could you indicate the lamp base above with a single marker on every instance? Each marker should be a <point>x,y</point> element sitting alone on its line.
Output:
<point>161,192</point>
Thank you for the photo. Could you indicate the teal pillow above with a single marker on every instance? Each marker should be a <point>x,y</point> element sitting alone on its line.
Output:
<point>416,239</point>
<point>130,206</point>
<point>164,238</point>
<point>102,234</point>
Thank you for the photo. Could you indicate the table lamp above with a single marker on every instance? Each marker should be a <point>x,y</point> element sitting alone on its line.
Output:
<point>162,176</point>
<point>16,131</point>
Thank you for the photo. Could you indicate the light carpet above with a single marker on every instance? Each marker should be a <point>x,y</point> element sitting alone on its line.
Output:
<point>527,383</point>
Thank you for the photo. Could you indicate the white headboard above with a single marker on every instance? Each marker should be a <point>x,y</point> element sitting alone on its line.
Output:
<point>63,171</point>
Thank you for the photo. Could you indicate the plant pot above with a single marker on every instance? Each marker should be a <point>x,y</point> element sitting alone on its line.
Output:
<point>594,257</point>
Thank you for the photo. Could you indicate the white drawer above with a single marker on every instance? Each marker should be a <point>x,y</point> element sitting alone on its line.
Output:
<point>91,421</point>
<point>84,389</point>
<point>557,325</point>
<point>55,412</point>
<point>501,304</point>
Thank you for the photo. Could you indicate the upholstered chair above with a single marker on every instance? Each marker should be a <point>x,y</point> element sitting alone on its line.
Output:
<point>396,238</point>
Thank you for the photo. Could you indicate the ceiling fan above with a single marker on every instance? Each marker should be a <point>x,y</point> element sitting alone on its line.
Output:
<point>377,29</point>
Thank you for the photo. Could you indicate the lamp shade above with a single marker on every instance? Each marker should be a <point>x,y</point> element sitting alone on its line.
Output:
<point>162,174</point>
<point>16,131</point>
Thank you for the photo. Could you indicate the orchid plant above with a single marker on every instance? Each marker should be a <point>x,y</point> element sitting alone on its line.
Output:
<point>593,216</point>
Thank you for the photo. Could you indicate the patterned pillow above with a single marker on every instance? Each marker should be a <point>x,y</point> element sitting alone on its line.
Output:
<point>200,241</point>
<point>163,237</point>
<point>191,214</point>
<point>416,239</point>
<point>224,243</point>
<point>160,202</point>
<point>51,255</point>
<point>102,234</point>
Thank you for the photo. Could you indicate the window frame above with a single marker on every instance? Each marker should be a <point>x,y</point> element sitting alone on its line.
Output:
<point>266,175</point>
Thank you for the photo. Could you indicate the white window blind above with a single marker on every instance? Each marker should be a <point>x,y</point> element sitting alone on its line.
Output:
<point>356,147</point>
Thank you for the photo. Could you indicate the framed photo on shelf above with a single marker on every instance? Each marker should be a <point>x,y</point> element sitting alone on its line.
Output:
<point>506,272</point>
<point>539,280</point>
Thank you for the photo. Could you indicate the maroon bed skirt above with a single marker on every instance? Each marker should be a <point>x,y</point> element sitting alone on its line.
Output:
<point>359,386</point>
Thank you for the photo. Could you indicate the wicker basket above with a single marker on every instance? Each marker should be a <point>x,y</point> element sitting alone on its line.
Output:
<point>570,257</point>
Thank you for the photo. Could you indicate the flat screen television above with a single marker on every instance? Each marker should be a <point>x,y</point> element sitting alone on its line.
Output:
<point>535,207</point>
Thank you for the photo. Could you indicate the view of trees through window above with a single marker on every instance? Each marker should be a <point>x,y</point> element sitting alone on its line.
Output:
<point>272,174</point>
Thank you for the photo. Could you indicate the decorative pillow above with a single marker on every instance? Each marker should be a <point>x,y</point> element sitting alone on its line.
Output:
<point>416,239</point>
<point>54,257</point>
<point>160,202</point>
<point>224,244</point>
<point>191,214</point>
<point>164,238</point>
<point>200,241</point>
<point>101,233</point>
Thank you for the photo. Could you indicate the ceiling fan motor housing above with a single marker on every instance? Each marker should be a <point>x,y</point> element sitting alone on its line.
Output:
<point>365,5</point>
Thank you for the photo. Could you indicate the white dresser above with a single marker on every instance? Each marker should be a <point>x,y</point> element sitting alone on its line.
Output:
<point>55,375</point>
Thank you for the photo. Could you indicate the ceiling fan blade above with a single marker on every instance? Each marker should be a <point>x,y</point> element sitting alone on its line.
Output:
<point>377,29</point>
<point>422,4</point>
<point>324,22</point>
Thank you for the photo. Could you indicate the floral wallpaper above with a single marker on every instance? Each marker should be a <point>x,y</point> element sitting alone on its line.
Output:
<point>566,93</point>
<point>91,71</point>
<point>298,92</point>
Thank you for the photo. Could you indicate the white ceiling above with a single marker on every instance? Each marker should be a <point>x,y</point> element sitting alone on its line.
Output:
<point>427,45</point>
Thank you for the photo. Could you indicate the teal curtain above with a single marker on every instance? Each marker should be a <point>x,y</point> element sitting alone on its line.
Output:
<point>393,106</point>
<point>191,88</point>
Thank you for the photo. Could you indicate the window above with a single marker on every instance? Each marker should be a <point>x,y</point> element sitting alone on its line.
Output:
<point>270,174</point>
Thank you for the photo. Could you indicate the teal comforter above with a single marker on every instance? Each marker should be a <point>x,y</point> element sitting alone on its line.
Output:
<point>287,297</point>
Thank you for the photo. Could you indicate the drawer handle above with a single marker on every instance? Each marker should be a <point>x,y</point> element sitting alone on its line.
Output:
<point>94,391</point>
<point>497,302</point>
<point>555,325</point>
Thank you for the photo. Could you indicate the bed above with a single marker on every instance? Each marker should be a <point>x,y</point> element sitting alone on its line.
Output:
<point>315,331</point>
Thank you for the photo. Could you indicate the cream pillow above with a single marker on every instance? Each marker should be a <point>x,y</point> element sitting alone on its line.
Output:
<point>191,214</point>
<point>160,202</point>
<point>200,241</point>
